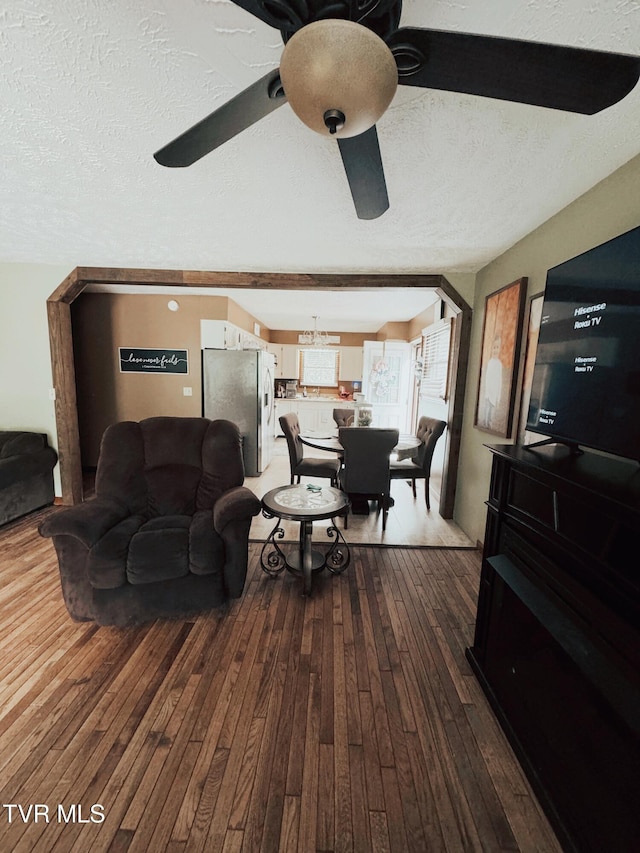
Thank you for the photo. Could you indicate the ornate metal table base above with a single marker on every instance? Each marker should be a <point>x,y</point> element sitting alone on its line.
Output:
<point>304,561</point>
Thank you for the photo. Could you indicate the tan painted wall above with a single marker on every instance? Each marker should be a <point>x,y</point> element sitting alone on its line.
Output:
<point>239,317</point>
<point>427,318</point>
<point>609,209</point>
<point>102,322</point>
<point>393,332</point>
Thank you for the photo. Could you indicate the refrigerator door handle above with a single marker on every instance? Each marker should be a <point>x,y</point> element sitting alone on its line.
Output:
<point>269,392</point>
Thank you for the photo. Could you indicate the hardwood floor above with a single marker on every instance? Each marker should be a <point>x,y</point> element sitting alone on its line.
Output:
<point>409,522</point>
<point>349,721</point>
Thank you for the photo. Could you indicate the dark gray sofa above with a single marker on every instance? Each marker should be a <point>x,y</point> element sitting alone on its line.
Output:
<point>26,473</point>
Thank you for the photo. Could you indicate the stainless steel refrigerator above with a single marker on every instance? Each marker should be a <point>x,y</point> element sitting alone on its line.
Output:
<point>239,385</point>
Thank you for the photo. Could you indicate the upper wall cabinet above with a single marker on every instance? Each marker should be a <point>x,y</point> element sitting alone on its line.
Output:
<point>220,334</point>
<point>289,361</point>
<point>276,352</point>
<point>350,363</point>
<point>286,360</point>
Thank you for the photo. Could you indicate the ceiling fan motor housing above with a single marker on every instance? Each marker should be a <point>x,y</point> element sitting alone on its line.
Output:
<point>339,77</point>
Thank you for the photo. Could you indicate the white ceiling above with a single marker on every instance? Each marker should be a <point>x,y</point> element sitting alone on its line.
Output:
<point>90,89</point>
<point>293,310</point>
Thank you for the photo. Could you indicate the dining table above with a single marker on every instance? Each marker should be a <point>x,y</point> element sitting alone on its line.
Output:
<point>328,440</point>
<point>406,447</point>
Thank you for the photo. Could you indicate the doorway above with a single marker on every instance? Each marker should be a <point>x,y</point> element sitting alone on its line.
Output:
<point>63,364</point>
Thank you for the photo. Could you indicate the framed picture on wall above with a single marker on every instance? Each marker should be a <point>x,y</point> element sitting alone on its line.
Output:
<point>533,330</point>
<point>501,333</point>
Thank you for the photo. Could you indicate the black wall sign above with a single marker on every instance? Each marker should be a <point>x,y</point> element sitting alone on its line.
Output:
<point>134,360</point>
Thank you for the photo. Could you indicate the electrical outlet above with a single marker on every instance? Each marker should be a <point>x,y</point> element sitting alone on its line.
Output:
<point>187,391</point>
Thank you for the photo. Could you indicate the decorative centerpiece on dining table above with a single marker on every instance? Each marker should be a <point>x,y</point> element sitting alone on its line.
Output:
<point>365,416</point>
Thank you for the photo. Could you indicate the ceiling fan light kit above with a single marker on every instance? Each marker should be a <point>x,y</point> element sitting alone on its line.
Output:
<point>338,76</point>
<point>343,60</point>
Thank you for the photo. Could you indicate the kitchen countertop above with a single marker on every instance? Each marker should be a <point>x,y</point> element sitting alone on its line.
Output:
<point>311,398</point>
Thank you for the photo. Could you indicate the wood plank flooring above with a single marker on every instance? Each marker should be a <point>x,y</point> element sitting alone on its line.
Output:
<point>349,721</point>
<point>409,522</point>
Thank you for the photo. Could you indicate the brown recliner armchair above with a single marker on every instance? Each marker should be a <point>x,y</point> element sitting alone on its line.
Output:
<point>167,532</point>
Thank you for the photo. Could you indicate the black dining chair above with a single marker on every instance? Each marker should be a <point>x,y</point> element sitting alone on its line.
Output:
<point>365,472</point>
<point>344,417</point>
<point>302,466</point>
<point>419,467</point>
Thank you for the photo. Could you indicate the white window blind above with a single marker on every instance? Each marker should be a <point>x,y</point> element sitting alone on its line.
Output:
<point>435,360</point>
<point>320,367</point>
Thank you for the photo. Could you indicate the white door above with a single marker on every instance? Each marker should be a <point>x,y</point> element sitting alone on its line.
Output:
<point>386,374</point>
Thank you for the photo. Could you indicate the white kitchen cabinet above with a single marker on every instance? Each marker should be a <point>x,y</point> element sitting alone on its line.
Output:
<point>350,363</point>
<point>216,334</point>
<point>289,361</point>
<point>325,415</point>
<point>286,356</point>
<point>308,415</point>
<point>314,415</point>
<point>219,334</point>
<point>276,352</point>
<point>283,407</point>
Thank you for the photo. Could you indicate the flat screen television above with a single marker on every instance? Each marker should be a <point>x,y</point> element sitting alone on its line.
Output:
<point>586,381</point>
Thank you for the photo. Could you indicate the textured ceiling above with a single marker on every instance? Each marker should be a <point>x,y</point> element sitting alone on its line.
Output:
<point>90,89</point>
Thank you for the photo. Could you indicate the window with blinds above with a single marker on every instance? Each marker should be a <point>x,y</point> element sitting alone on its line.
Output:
<point>434,378</point>
<point>319,367</point>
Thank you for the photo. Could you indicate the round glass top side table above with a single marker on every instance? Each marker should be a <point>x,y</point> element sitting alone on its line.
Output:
<point>305,504</point>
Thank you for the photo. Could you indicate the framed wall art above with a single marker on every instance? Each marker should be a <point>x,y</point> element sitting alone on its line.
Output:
<point>533,330</point>
<point>137,360</point>
<point>501,334</point>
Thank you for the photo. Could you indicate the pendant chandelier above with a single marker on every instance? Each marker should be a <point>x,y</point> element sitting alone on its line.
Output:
<point>314,338</point>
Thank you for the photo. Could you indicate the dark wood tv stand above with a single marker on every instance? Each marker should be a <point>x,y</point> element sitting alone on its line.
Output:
<point>557,640</point>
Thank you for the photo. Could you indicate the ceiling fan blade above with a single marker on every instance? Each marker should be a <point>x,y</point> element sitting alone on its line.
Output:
<point>273,12</point>
<point>363,164</point>
<point>383,14</point>
<point>248,107</point>
<point>545,75</point>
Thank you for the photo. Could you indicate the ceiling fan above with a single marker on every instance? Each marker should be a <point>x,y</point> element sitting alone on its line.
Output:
<point>343,60</point>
